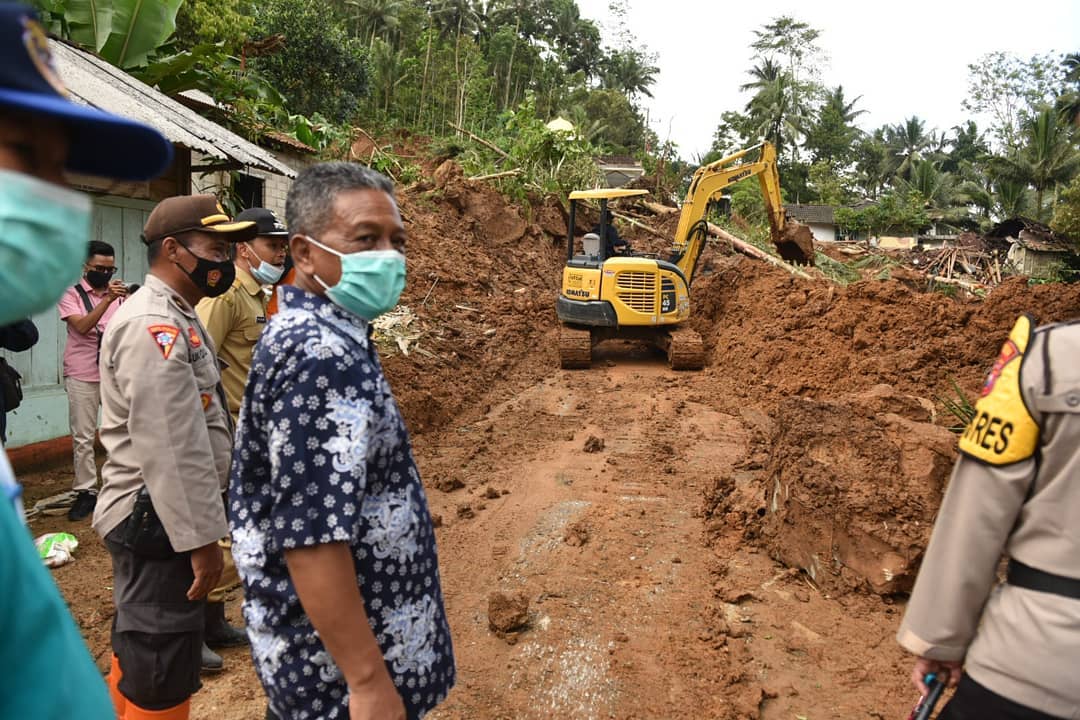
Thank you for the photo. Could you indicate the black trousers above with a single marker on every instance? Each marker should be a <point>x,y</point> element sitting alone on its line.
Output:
<point>973,701</point>
<point>157,632</point>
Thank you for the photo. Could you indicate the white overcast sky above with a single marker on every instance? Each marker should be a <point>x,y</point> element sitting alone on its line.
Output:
<point>903,58</point>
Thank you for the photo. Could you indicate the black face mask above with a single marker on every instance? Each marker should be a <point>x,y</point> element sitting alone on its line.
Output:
<point>213,278</point>
<point>98,279</point>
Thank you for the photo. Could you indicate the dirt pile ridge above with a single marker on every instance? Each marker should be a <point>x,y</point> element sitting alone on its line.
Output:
<point>482,282</point>
<point>851,456</point>
<point>845,489</point>
<point>776,336</point>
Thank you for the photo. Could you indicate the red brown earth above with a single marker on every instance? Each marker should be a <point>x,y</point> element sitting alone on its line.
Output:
<point>656,522</point>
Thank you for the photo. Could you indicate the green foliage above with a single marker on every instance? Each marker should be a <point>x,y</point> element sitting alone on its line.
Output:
<point>895,212</point>
<point>959,406</point>
<point>748,202</point>
<point>227,23</point>
<point>836,271</point>
<point>827,183</point>
<point>1006,88</point>
<point>555,162</point>
<point>1067,214</point>
<point>126,33</point>
<point>321,69</point>
<point>1046,157</point>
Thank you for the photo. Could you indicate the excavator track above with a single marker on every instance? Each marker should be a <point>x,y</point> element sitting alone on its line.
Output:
<point>575,349</point>
<point>685,350</point>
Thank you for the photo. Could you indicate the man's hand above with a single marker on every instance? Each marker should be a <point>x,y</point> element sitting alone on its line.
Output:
<point>207,563</point>
<point>376,699</point>
<point>117,289</point>
<point>950,669</point>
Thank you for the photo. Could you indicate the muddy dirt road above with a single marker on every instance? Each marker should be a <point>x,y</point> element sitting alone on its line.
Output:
<point>583,490</point>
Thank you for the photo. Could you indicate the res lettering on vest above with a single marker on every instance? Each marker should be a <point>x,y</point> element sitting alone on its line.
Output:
<point>1003,431</point>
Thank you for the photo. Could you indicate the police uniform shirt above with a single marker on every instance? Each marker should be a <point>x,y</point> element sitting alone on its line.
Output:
<point>1014,490</point>
<point>235,319</point>
<point>163,419</point>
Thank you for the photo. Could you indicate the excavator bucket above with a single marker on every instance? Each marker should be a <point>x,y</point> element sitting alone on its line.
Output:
<point>795,243</point>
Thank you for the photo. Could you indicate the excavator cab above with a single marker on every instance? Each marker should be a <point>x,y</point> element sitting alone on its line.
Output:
<point>609,292</point>
<point>635,296</point>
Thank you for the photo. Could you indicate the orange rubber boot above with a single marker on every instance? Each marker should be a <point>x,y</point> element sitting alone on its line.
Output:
<point>118,700</point>
<point>176,712</point>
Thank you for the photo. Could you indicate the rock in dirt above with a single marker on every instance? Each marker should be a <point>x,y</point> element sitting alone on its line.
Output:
<point>852,487</point>
<point>491,493</point>
<point>507,612</point>
<point>594,444</point>
<point>448,484</point>
<point>577,534</point>
<point>465,512</point>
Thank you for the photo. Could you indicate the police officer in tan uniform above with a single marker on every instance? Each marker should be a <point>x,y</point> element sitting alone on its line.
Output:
<point>235,319</point>
<point>1014,647</point>
<point>169,439</point>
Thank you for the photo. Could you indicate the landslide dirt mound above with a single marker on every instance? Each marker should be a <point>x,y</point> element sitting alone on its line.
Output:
<point>776,336</point>
<point>848,489</point>
<point>482,283</point>
<point>851,458</point>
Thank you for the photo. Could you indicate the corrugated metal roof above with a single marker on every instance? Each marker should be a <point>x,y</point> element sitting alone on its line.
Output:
<point>822,214</point>
<point>92,81</point>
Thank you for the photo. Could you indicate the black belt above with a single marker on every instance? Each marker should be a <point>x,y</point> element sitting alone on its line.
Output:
<point>1024,576</point>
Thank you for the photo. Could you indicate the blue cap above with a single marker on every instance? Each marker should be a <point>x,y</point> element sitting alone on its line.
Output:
<point>102,144</point>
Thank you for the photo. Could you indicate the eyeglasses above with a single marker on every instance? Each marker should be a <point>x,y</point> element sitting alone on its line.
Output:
<point>103,269</point>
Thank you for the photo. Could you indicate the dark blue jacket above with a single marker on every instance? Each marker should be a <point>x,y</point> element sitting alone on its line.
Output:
<point>17,337</point>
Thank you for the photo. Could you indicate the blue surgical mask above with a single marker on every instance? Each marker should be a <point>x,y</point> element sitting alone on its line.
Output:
<point>371,281</point>
<point>265,273</point>
<point>44,233</point>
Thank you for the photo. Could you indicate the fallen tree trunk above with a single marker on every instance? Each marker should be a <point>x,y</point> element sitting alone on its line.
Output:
<point>970,286</point>
<point>482,141</point>
<point>493,176</point>
<point>657,208</point>
<point>639,224</point>
<point>747,249</point>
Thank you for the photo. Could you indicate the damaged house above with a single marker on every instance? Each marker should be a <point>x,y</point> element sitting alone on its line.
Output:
<point>1035,249</point>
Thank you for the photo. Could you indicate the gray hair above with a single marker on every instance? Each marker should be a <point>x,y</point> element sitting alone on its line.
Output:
<point>310,201</point>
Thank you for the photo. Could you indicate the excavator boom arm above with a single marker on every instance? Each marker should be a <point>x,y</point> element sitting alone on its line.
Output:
<point>709,182</point>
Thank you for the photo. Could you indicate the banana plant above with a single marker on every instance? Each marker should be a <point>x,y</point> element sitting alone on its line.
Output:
<point>123,32</point>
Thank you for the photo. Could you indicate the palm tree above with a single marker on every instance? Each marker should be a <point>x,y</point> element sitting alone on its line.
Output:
<point>873,163</point>
<point>631,73</point>
<point>1012,198</point>
<point>943,200</point>
<point>1069,102</point>
<point>1047,158</point>
<point>378,18</point>
<point>779,110</point>
<point>388,70</point>
<point>907,141</point>
<point>833,135</point>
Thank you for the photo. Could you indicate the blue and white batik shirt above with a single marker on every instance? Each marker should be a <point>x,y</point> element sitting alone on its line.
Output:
<point>321,456</point>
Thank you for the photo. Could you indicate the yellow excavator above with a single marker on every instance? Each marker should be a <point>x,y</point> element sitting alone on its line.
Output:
<point>609,292</point>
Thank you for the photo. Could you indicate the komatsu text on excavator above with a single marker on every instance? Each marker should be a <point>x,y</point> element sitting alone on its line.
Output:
<point>611,294</point>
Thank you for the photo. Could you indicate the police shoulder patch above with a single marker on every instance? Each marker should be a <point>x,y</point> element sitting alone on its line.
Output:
<point>1003,431</point>
<point>165,337</point>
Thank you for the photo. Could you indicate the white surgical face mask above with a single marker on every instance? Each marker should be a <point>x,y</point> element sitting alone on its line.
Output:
<point>265,273</point>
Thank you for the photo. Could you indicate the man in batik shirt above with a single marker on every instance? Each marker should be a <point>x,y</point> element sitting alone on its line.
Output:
<point>330,527</point>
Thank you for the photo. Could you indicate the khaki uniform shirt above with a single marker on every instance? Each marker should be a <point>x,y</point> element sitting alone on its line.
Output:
<point>1020,643</point>
<point>164,424</point>
<point>235,319</point>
